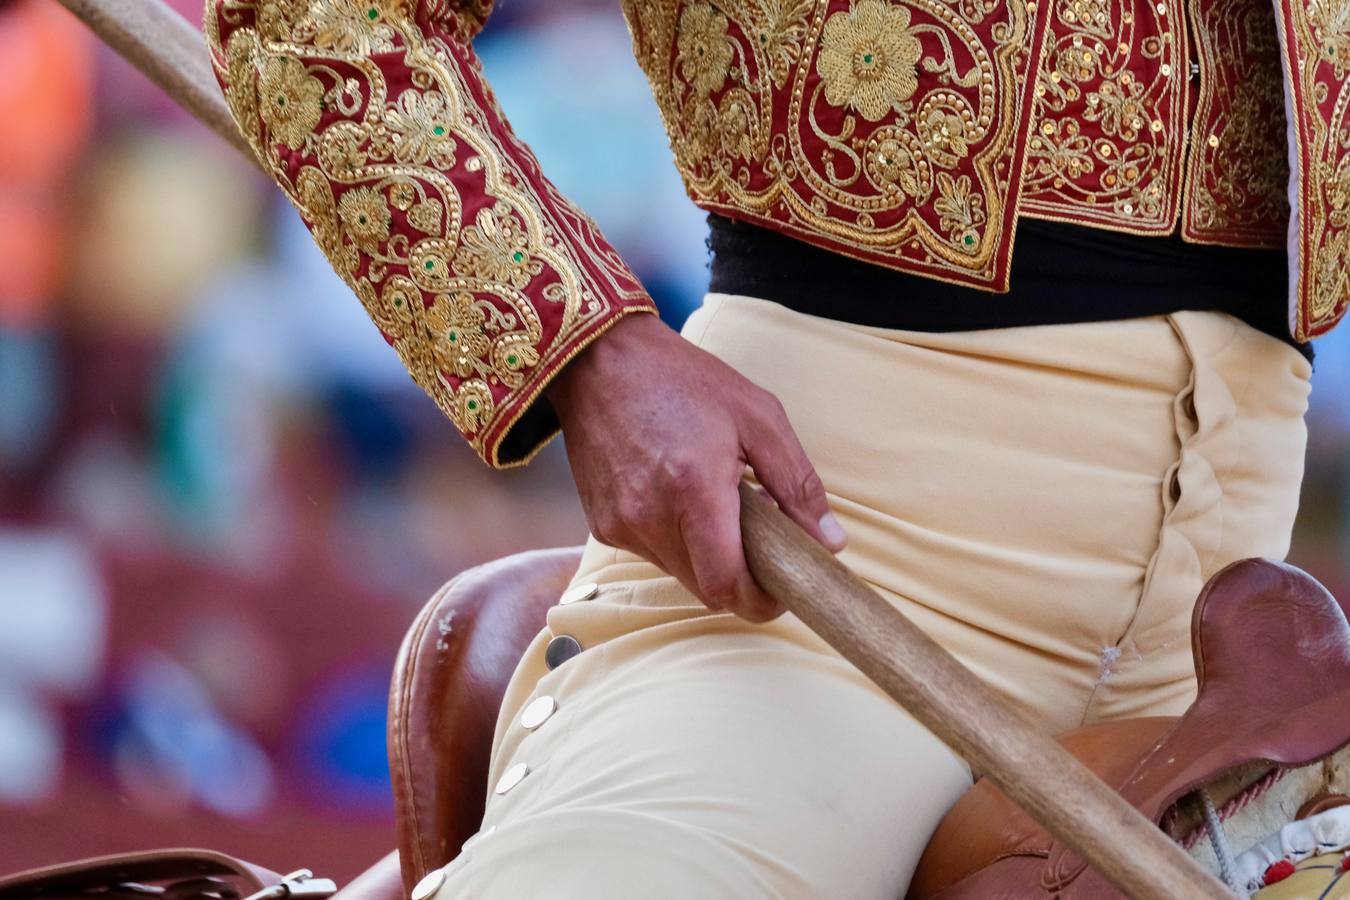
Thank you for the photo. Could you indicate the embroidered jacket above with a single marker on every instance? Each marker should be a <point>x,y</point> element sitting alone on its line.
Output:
<point>909,133</point>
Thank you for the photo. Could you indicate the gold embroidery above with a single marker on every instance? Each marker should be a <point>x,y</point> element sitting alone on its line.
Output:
<point>834,118</point>
<point>705,49</point>
<point>1117,66</point>
<point>868,58</point>
<point>350,26</point>
<point>960,210</point>
<point>737,115</point>
<point>292,100</point>
<point>1316,38</point>
<point>496,247</point>
<point>365,216</point>
<point>419,129</point>
<point>416,149</point>
<point>777,27</point>
<point>1238,165</point>
<point>944,134</point>
<point>456,323</point>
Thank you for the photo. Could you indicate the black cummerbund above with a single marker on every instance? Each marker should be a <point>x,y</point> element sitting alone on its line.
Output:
<point>1061,273</point>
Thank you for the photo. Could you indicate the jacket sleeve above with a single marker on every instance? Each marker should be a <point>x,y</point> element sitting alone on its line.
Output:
<point>374,118</point>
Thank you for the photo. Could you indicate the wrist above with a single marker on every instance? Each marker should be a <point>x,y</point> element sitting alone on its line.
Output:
<point>603,359</point>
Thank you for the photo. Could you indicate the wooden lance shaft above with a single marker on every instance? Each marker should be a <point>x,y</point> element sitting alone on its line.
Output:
<point>1053,787</point>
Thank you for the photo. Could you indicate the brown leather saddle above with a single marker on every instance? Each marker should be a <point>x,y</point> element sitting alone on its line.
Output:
<point>1266,735</point>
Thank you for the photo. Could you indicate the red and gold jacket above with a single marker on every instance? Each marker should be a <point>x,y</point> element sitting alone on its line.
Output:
<point>909,133</point>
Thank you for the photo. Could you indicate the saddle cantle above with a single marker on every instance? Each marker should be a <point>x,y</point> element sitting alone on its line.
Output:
<point>1265,736</point>
<point>449,680</point>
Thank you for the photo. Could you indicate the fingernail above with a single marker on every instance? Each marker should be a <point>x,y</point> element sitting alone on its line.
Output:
<point>832,531</point>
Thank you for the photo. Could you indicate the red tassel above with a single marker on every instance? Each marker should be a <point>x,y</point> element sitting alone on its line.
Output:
<point>1278,871</point>
<point>1345,864</point>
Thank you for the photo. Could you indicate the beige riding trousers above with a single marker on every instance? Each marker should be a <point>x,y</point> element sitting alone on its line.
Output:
<point>1046,502</point>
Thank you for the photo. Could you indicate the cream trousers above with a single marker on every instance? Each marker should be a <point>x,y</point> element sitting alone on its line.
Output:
<point>1046,502</point>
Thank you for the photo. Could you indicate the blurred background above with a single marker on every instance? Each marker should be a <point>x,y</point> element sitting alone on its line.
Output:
<point>222,501</point>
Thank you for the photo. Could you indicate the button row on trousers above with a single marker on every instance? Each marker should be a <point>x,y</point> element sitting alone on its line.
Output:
<point>511,777</point>
<point>560,650</point>
<point>537,712</point>
<point>428,885</point>
<point>579,593</point>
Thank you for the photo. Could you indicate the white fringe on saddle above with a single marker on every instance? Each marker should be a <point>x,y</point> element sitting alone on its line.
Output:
<point>1326,832</point>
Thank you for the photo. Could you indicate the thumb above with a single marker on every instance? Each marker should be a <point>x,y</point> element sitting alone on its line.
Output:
<point>782,467</point>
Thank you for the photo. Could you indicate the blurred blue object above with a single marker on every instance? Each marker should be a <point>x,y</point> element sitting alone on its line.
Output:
<point>339,756</point>
<point>1330,401</point>
<point>172,748</point>
<point>28,400</point>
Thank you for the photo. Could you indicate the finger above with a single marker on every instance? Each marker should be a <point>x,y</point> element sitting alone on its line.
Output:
<point>710,532</point>
<point>782,467</point>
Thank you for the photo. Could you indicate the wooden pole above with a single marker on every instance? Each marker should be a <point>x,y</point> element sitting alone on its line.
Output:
<point>172,53</point>
<point>1038,774</point>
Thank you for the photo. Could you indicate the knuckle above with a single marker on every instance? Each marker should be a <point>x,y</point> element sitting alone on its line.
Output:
<point>808,486</point>
<point>720,584</point>
<point>683,476</point>
<point>758,613</point>
<point>633,509</point>
<point>720,593</point>
<point>766,408</point>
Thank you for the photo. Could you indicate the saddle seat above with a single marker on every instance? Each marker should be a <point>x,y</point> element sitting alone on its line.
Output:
<point>1265,739</point>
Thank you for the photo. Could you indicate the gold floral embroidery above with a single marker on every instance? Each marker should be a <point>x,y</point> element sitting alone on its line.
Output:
<point>426,216</point>
<point>242,94</point>
<point>705,49</point>
<point>341,150</point>
<point>351,26</point>
<point>737,115</point>
<point>456,324</point>
<point>945,134</point>
<point>292,100</point>
<point>869,59</point>
<point>473,406</point>
<point>778,27</point>
<point>365,214</point>
<point>831,118</point>
<point>402,195</point>
<point>1331,19</point>
<point>276,20</point>
<point>893,166</point>
<point>960,210</point>
<point>1238,167</point>
<point>420,130</point>
<point>1119,106</point>
<point>496,247</point>
<point>1106,146</point>
<point>1316,49</point>
<point>511,356</point>
<point>702,137</point>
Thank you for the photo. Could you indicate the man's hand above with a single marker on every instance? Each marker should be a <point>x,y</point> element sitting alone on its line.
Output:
<point>659,434</point>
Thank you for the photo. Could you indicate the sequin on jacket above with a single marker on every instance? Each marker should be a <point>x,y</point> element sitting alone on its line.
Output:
<point>908,133</point>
